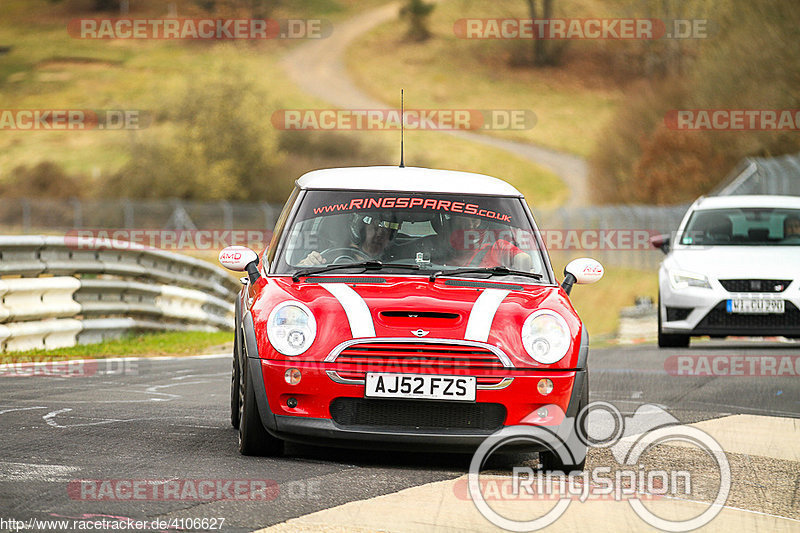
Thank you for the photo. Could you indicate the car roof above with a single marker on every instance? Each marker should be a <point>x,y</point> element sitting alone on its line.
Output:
<point>406,179</point>
<point>742,200</point>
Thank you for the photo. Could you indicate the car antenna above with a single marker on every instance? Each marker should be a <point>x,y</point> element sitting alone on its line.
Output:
<point>402,120</point>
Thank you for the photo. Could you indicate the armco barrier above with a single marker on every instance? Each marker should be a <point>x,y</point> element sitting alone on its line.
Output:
<point>65,293</point>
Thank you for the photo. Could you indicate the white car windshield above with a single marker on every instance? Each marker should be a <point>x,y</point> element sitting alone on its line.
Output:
<point>436,232</point>
<point>743,226</point>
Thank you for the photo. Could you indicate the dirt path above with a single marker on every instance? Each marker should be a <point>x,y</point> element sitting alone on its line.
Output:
<point>318,68</point>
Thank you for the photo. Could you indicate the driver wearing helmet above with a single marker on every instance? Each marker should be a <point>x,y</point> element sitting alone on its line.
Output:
<point>371,234</point>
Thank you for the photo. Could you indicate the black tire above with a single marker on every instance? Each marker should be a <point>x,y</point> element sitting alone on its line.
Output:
<point>237,357</point>
<point>253,438</point>
<point>551,460</point>
<point>670,340</point>
<point>235,391</point>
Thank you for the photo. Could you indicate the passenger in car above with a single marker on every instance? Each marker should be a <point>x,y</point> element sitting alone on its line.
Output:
<point>473,245</point>
<point>791,228</point>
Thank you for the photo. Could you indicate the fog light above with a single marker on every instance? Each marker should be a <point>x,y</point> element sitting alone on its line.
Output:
<point>291,403</point>
<point>292,376</point>
<point>542,412</point>
<point>545,386</point>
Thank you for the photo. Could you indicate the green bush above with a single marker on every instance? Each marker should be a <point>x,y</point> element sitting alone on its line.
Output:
<point>217,143</point>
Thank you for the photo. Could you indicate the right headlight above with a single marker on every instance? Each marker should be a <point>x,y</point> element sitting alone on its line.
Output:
<point>546,336</point>
<point>291,328</point>
<point>680,279</point>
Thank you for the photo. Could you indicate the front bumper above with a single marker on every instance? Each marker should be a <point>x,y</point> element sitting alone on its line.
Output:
<point>709,316</point>
<point>311,421</point>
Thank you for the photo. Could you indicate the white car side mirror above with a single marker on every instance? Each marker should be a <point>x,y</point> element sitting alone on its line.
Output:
<point>237,258</point>
<point>581,271</point>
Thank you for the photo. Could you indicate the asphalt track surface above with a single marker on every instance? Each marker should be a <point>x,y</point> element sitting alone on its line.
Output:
<point>168,419</point>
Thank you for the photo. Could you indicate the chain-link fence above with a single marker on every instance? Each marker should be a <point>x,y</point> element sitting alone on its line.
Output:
<point>765,175</point>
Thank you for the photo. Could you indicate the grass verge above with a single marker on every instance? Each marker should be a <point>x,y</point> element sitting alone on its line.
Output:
<point>46,68</point>
<point>147,345</point>
<point>599,305</point>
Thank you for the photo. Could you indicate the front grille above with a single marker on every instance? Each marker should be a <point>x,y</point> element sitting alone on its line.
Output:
<point>678,313</point>
<point>719,318</point>
<point>418,357</point>
<point>415,414</point>
<point>755,285</point>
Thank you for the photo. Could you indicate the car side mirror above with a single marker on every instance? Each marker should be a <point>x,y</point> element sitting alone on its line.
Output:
<point>661,242</point>
<point>581,271</point>
<point>240,259</point>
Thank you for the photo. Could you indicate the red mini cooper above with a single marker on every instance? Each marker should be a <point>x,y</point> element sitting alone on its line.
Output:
<point>403,307</point>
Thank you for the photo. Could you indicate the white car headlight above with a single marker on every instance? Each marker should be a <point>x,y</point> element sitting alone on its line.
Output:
<point>680,279</point>
<point>291,328</point>
<point>546,336</point>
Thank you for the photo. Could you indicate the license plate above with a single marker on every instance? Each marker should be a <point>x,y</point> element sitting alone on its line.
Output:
<point>755,306</point>
<point>423,387</point>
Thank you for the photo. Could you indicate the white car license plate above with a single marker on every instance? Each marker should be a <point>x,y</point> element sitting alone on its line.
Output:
<point>756,306</point>
<point>418,386</point>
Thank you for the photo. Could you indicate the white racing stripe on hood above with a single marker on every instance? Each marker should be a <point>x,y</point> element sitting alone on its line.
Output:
<point>482,314</point>
<point>354,307</point>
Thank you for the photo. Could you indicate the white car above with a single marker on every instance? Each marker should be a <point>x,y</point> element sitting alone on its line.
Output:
<point>733,268</point>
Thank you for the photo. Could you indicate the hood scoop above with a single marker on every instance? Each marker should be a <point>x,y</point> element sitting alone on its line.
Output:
<point>412,319</point>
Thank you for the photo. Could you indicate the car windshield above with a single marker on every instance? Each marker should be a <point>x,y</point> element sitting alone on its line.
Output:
<point>435,232</point>
<point>743,226</point>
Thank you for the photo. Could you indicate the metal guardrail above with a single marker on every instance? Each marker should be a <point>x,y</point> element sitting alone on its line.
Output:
<point>68,294</point>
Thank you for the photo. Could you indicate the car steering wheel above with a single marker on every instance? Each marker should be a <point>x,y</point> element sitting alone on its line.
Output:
<point>336,256</point>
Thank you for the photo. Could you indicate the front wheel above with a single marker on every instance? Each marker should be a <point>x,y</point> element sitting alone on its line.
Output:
<point>235,392</point>
<point>670,340</point>
<point>253,438</point>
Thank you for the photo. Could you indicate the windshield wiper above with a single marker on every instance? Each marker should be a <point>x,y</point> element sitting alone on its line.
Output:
<point>492,271</point>
<point>366,265</point>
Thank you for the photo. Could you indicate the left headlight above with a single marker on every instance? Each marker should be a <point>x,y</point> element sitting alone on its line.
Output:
<point>291,328</point>
<point>546,336</point>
